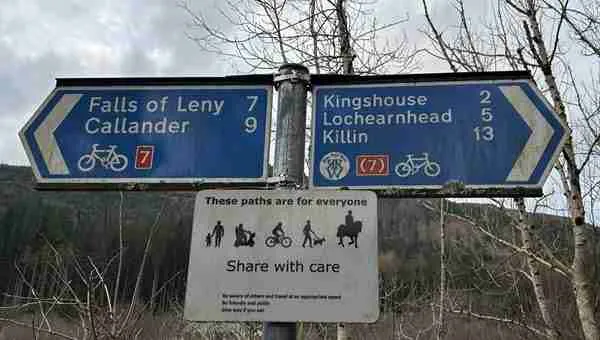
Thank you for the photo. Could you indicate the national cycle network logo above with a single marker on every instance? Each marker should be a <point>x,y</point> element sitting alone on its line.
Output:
<point>334,166</point>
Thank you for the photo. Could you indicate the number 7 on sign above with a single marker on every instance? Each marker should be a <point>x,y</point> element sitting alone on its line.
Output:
<point>253,100</point>
<point>144,156</point>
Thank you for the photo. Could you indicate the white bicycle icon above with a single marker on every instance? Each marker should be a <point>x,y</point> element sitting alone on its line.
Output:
<point>108,158</point>
<point>412,165</point>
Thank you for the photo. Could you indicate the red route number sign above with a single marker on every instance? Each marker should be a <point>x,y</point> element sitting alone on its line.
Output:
<point>372,165</point>
<point>144,156</point>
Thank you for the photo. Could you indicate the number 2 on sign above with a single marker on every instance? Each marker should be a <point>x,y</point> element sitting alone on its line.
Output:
<point>485,97</point>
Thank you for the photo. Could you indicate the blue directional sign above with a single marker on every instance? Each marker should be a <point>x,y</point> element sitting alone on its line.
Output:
<point>151,134</point>
<point>480,133</point>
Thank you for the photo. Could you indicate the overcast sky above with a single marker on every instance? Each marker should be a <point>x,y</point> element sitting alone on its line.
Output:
<point>41,40</point>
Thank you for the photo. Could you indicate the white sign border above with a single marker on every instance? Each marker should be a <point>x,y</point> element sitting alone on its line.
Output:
<point>370,318</point>
<point>154,180</point>
<point>543,177</point>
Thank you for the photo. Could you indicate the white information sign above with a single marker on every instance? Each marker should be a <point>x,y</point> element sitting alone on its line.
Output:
<point>283,255</point>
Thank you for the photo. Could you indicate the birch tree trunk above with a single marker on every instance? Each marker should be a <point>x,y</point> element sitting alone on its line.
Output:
<point>569,172</point>
<point>155,277</point>
<point>534,271</point>
<point>440,329</point>
<point>584,293</point>
<point>344,37</point>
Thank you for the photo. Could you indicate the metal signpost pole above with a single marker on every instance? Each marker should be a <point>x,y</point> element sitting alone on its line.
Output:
<point>292,84</point>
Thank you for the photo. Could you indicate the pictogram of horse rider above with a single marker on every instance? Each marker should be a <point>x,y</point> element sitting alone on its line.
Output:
<point>350,229</point>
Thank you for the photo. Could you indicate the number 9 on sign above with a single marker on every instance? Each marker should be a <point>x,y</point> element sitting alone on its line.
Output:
<point>250,124</point>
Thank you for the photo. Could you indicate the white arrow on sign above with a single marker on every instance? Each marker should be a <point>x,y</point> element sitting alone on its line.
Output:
<point>541,134</point>
<point>44,135</point>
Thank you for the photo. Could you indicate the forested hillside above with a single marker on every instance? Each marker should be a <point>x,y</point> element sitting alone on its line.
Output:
<point>84,227</point>
<point>61,245</point>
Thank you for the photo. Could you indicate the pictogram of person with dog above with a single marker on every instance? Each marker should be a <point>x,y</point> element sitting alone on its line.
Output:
<point>310,237</point>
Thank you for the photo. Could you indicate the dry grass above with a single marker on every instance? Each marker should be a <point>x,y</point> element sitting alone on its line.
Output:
<point>411,325</point>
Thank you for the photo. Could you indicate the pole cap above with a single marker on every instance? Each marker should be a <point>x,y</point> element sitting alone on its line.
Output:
<point>292,72</point>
